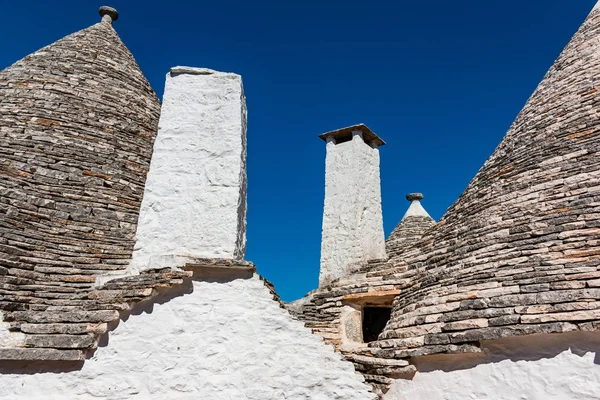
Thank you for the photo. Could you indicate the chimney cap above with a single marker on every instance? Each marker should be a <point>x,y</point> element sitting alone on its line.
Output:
<point>368,135</point>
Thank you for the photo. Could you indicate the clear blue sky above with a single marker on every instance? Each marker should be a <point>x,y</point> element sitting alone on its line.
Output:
<point>440,81</point>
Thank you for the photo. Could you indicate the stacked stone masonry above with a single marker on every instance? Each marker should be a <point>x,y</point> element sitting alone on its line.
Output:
<point>77,123</point>
<point>408,231</point>
<point>517,254</point>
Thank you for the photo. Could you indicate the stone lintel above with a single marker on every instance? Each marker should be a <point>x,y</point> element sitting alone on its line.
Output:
<point>221,269</point>
<point>380,297</point>
<point>367,134</point>
<point>21,354</point>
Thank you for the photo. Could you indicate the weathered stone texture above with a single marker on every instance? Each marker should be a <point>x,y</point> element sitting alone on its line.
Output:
<point>523,232</point>
<point>408,232</point>
<point>77,125</point>
<point>415,222</point>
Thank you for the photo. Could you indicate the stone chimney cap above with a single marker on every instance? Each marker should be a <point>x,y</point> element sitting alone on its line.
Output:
<point>108,14</point>
<point>368,135</point>
<point>414,196</point>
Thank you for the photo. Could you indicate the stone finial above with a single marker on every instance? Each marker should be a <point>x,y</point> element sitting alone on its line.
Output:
<point>414,196</point>
<point>108,14</point>
<point>415,209</point>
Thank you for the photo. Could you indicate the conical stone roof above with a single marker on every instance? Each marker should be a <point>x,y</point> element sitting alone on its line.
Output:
<point>77,125</point>
<point>411,228</point>
<point>525,231</point>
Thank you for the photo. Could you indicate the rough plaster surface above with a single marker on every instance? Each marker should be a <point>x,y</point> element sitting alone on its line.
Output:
<point>352,218</point>
<point>532,371</point>
<point>214,340</point>
<point>194,203</point>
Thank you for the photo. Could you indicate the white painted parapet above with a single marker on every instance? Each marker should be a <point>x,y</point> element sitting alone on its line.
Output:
<point>352,218</point>
<point>194,203</point>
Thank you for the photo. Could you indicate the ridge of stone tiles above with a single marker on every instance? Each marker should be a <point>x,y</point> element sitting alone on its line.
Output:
<point>519,252</point>
<point>77,125</point>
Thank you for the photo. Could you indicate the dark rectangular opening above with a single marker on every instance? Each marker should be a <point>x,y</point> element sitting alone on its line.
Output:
<point>343,139</point>
<point>374,321</point>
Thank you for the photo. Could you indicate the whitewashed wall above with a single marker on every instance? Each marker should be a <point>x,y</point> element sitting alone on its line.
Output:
<point>222,341</point>
<point>531,369</point>
<point>194,201</point>
<point>8,338</point>
<point>352,216</point>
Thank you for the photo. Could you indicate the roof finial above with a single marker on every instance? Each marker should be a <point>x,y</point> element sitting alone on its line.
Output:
<point>108,14</point>
<point>415,209</point>
<point>414,197</point>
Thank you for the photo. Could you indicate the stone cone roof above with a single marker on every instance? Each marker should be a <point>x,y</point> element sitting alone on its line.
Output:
<point>77,125</point>
<point>78,120</point>
<point>522,243</point>
<point>412,227</point>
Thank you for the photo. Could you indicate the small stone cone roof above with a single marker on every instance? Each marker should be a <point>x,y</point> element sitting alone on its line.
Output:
<point>77,125</point>
<point>527,224</point>
<point>413,225</point>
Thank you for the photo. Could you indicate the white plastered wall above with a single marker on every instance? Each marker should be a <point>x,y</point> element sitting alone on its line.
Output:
<point>7,338</point>
<point>194,203</point>
<point>551,367</point>
<point>217,341</point>
<point>352,217</point>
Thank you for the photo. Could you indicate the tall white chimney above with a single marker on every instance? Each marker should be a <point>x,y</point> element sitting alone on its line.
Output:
<point>352,218</point>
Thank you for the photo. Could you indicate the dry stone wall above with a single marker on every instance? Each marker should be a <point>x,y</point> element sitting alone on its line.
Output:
<point>77,124</point>
<point>519,252</point>
<point>408,231</point>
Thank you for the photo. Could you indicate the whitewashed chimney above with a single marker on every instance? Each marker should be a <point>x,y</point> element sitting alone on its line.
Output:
<point>194,203</point>
<point>352,218</point>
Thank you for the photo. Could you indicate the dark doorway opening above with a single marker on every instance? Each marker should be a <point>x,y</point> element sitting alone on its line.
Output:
<point>374,320</point>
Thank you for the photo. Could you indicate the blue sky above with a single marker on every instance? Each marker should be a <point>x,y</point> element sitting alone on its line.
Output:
<point>439,81</point>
